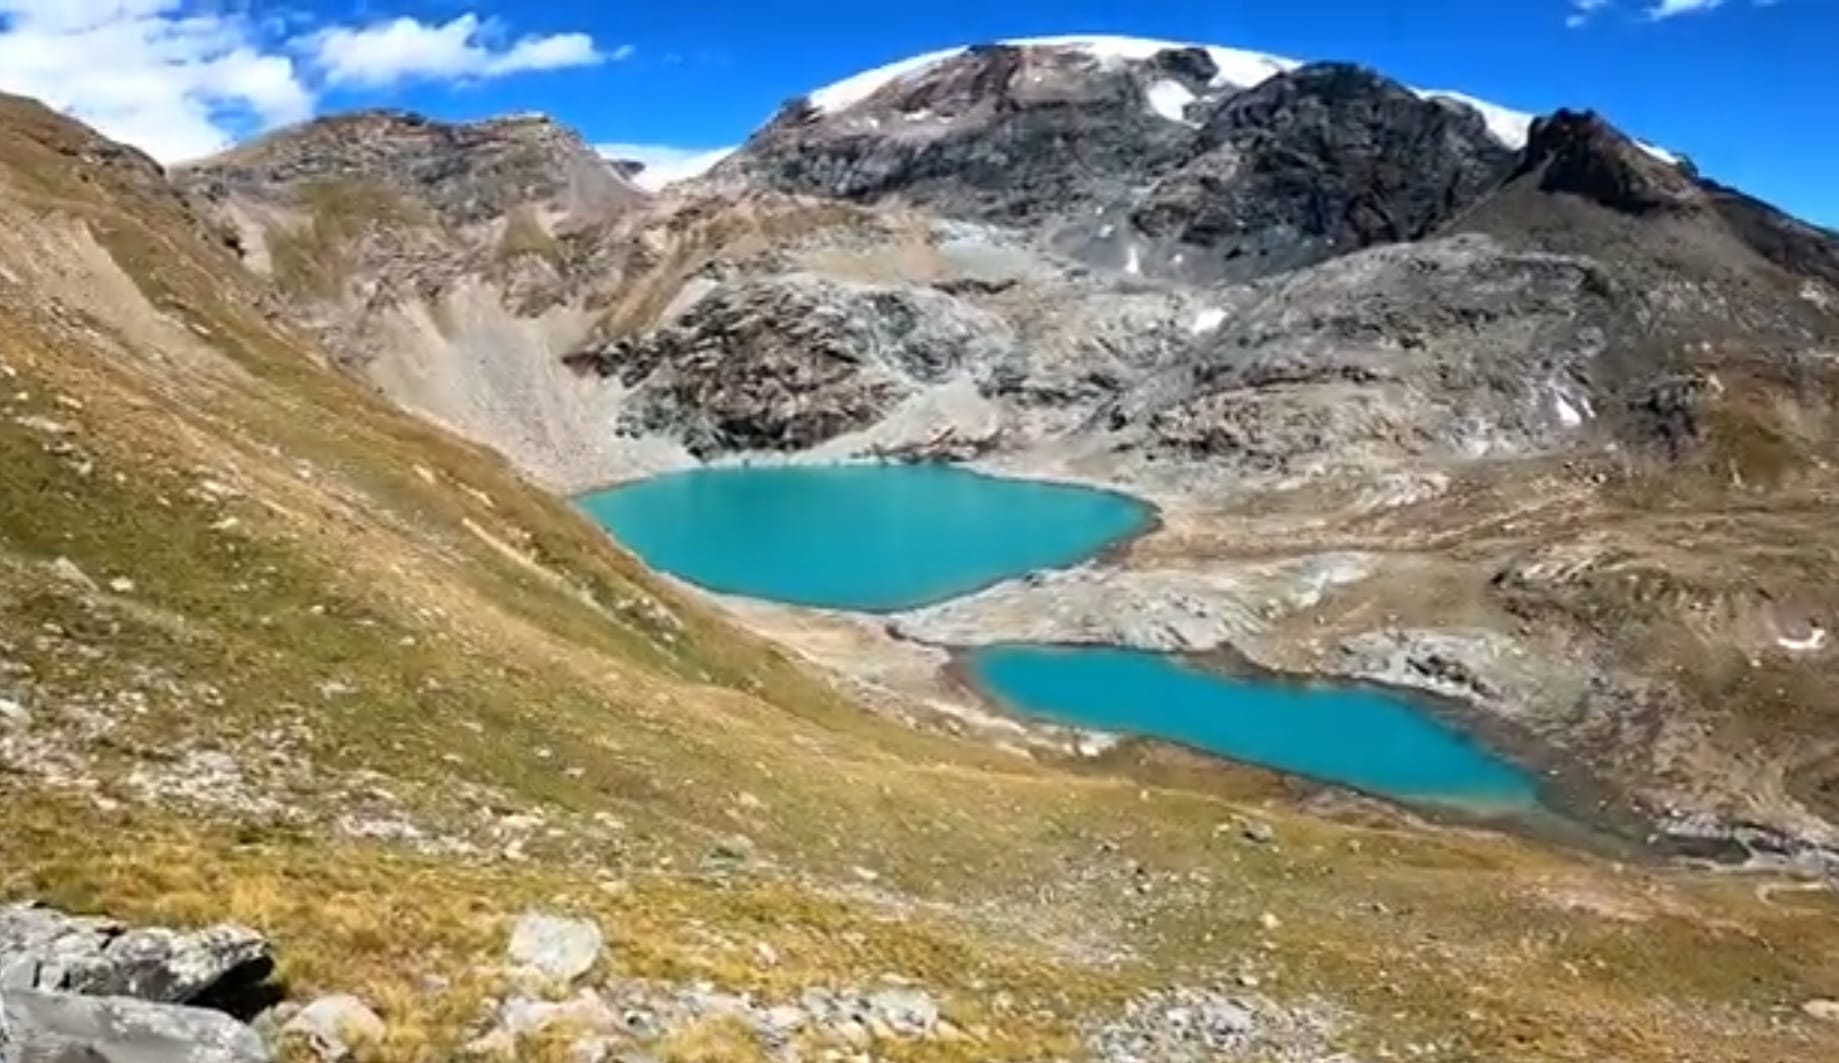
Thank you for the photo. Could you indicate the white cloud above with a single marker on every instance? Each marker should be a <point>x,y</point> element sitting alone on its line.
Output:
<point>1664,9</point>
<point>181,79</point>
<point>468,47</point>
<point>1670,8</point>
<point>174,82</point>
<point>664,163</point>
<point>1582,10</point>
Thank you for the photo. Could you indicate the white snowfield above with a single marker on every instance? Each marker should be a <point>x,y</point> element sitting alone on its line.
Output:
<point>1237,69</point>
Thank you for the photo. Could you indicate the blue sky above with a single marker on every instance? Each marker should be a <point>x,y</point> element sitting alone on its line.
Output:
<point>1748,89</point>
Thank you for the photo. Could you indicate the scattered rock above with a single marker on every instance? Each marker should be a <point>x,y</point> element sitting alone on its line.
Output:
<point>41,1027</point>
<point>13,714</point>
<point>1257,831</point>
<point>336,1027</point>
<point>585,1012</point>
<point>907,1012</point>
<point>1822,1009</point>
<point>67,570</point>
<point>735,849</point>
<point>559,949</point>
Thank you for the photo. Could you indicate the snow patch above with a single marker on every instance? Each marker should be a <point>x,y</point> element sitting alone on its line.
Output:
<point>1237,68</point>
<point>1170,99</point>
<point>1507,125</point>
<point>1571,408</point>
<point>1207,320</point>
<point>853,90</point>
<point>1813,640</point>
<point>1512,127</point>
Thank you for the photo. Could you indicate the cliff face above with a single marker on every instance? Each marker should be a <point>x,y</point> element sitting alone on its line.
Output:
<point>448,264</point>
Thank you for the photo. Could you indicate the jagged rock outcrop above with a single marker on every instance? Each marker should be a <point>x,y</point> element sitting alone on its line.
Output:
<point>1318,162</point>
<point>223,967</point>
<point>1581,154</point>
<point>787,363</point>
<point>1374,358</point>
<point>450,264</point>
<point>1001,133</point>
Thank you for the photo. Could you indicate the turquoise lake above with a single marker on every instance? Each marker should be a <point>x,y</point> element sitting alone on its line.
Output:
<point>880,538</point>
<point>876,538</point>
<point>1360,737</point>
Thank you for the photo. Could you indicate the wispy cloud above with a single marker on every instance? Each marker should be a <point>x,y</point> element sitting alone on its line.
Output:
<point>1670,8</point>
<point>184,78</point>
<point>1665,9</point>
<point>1582,10</point>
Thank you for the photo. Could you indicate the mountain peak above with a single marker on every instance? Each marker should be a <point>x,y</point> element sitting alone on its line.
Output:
<point>471,170</point>
<point>1581,153</point>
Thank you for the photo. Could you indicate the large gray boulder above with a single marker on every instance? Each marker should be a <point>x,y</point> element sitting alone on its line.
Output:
<point>43,948</point>
<point>554,947</point>
<point>40,1027</point>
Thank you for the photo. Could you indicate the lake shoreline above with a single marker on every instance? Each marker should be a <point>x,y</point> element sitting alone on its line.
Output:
<point>1574,807</point>
<point>1571,805</point>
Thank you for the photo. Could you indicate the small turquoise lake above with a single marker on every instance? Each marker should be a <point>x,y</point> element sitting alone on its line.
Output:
<point>882,538</point>
<point>875,538</point>
<point>1365,738</point>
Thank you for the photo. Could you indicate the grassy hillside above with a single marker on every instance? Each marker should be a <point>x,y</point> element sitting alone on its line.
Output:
<point>295,659</point>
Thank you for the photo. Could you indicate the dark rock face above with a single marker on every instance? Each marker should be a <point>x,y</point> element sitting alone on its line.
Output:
<point>999,133</point>
<point>1702,265</point>
<point>790,362</point>
<point>1580,154</point>
<point>1377,357</point>
<point>1317,162</point>
<point>1325,160</point>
